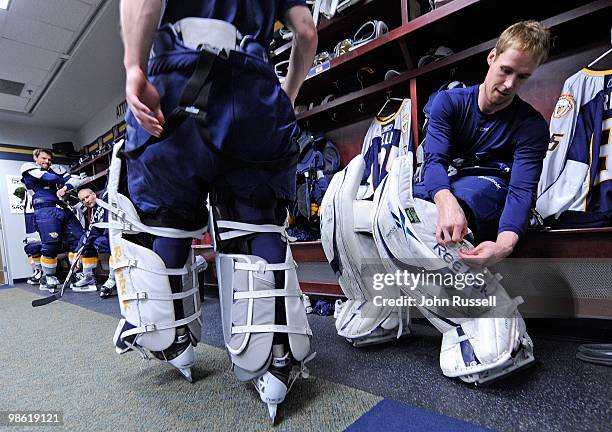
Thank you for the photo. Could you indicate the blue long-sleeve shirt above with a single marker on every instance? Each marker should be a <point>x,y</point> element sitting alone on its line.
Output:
<point>516,136</point>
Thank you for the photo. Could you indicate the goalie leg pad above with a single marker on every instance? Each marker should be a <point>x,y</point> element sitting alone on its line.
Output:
<point>485,349</point>
<point>146,298</point>
<point>478,344</point>
<point>346,236</point>
<point>248,292</point>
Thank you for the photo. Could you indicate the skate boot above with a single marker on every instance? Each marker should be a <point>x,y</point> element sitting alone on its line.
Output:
<point>86,284</point>
<point>180,355</point>
<point>108,289</point>
<point>35,278</point>
<point>50,282</point>
<point>273,385</point>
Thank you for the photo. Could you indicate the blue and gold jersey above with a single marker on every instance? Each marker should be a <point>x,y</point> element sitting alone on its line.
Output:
<point>578,165</point>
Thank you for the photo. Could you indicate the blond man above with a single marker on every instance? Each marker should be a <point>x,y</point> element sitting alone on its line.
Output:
<point>496,142</point>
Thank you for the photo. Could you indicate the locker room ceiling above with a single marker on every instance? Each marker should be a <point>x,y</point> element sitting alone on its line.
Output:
<point>68,56</point>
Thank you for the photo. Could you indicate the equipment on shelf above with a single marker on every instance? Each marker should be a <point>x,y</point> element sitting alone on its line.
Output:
<point>319,160</point>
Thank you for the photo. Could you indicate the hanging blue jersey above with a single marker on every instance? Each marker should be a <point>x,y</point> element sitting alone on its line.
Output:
<point>578,165</point>
<point>251,17</point>
<point>514,139</point>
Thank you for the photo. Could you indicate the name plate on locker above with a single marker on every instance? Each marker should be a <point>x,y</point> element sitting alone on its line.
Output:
<point>316,70</point>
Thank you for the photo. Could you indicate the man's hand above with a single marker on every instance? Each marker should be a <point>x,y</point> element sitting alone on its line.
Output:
<point>488,253</point>
<point>452,225</point>
<point>61,192</point>
<point>143,100</point>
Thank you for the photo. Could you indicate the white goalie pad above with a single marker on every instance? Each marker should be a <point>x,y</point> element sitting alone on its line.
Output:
<point>483,349</point>
<point>346,236</point>
<point>248,295</point>
<point>145,296</point>
<point>479,343</point>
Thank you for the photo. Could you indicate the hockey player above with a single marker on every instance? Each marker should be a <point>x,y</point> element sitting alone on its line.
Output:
<point>95,242</point>
<point>242,151</point>
<point>494,143</point>
<point>56,223</point>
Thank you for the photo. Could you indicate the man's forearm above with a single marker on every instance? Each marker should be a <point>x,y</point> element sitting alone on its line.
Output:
<point>300,61</point>
<point>507,240</point>
<point>444,197</point>
<point>305,39</point>
<point>139,19</point>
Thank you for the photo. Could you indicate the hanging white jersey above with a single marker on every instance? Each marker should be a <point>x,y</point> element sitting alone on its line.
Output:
<point>578,164</point>
<point>386,139</point>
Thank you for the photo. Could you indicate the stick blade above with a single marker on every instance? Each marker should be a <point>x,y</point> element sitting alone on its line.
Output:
<point>45,300</point>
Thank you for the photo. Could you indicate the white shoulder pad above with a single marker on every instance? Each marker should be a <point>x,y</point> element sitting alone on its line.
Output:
<point>58,169</point>
<point>28,166</point>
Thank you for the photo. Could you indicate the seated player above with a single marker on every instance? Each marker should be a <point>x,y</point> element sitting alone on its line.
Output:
<point>95,242</point>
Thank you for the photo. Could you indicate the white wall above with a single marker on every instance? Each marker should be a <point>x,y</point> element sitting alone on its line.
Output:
<point>32,136</point>
<point>13,227</point>
<point>101,123</point>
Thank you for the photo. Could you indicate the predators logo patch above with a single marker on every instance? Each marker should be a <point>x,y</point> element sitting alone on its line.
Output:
<point>564,106</point>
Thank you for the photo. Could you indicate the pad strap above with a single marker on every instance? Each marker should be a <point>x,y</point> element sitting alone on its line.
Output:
<point>271,328</point>
<point>143,295</point>
<point>262,267</point>
<point>172,272</point>
<point>241,229</point>
<point>265,294</point>
<point>162,326</point>
<point>129,223</point>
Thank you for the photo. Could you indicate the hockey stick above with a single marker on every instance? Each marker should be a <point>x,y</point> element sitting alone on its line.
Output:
<point>57,296</point>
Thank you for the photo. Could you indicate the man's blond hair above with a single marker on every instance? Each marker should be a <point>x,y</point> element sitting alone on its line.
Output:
<point>38,151</point>
<point>529,36</point>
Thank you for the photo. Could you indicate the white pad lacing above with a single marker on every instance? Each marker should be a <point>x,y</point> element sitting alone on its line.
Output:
<point>145,296</point>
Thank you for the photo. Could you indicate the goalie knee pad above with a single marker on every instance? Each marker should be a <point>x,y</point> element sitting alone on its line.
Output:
<point>479,344</point>
<point>143,286</point>
<point>346,236</point>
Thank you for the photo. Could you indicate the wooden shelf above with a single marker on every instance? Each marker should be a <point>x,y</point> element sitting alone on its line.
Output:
<point>90,162</point>
<point>345,24</point>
